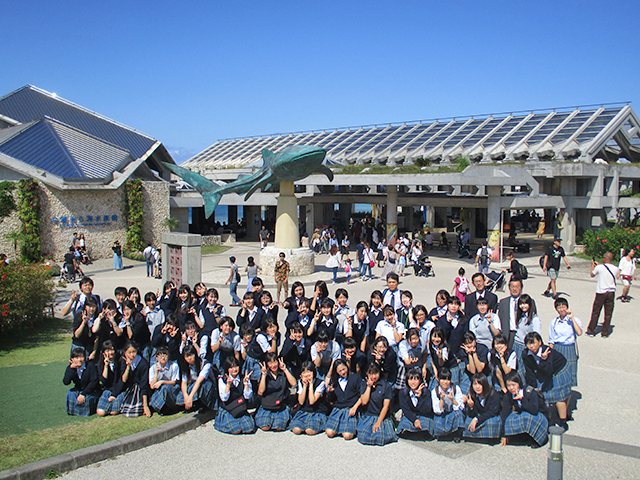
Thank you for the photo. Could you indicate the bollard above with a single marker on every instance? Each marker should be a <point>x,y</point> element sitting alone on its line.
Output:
<point>555,460</point>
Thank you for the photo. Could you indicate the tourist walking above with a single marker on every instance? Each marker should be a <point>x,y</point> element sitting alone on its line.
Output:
<point>281,272</point>
<point>551,265</point>
<point>606,274</point>
<point>117,256</point>
<point>627,268</point>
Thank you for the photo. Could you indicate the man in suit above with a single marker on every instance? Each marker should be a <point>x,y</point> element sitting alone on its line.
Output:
<point>508,310</point>
<point>470,308</point>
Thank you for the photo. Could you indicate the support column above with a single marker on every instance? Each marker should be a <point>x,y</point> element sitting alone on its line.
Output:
<point>310,219</point>
<point>287,218</point>
<point>431,217</point>
<point>392,213</point>
<point>233,214</point>
<point>470,221</point>
<point>568,232</point>
<point>253,221</point>
<point>493,209</point>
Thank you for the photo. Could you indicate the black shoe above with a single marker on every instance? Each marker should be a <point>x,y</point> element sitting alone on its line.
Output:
<point>563,424</point>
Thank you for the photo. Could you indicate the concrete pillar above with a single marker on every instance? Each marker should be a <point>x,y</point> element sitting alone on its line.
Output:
<point>181,258</point>
<point>310,219</point>
<point>233,214</point>
<point>345,215</point>
<point>431,216</point>
<point>568,231</point>
<point>493,209</point>
<point>327,213</point>
<point>253,220</point>
<point>470,221</point>
<point>287,218</point>
<point>392,213</point>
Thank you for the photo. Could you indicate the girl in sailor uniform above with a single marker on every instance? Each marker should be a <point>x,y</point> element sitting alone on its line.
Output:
<point>343,390</point>
<point>375,426</point>
<point>482,409</point>
<point>448,405</point>
<point>312,416</point>
<point>225,343</point>
<point>234,392</point>
<point>475,360</point>
<point>564,331</point>
<point>416,405</point>
<point>108,372</point>
<point>521,412</point>
<point>132,385</point>
<point>195,385</point>
<point>82,398</point>
<point>275,380</point>
<point>164,382</point>
<point>527,321</point>
<point>502,361</point>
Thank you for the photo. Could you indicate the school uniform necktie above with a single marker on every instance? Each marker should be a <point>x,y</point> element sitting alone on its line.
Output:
<point>393,301</point>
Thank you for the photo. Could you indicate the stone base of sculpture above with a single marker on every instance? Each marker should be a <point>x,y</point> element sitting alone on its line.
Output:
<point>302,261</point>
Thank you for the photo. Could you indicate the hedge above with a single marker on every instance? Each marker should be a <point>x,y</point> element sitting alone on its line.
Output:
<point>25,293</point>
<point>598,242</point>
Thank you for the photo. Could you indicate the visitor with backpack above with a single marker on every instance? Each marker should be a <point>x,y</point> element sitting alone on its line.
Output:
<point>483,258</point>
<point>517,270</point>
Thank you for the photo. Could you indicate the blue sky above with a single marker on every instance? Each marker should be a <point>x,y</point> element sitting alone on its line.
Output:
<point>191,73</point>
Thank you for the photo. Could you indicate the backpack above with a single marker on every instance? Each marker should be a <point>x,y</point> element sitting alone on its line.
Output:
<point>542,403</point>
<point>484,255</point>
<point>523,272</point>
<point>464,285</point>
<point>541,261</point>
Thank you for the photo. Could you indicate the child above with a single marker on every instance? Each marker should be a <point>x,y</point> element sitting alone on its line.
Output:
<point>296,349</point>
<point>482,410</point>
<point>343,313</point>
<point>199,341</point>
<point>385,359</point>
<point>347,269</point>
<point>320,293</point>
<point>225,343</point>
<point>404,314</point>
<point>82,398</point>
<point>343,390</point>
<point>135,327</point>
<point>355,358</point>
<point>391,295</point>
<point>521,412</point>
<point>300,316</point>
<point>547,370</point>
<point>416,405</point>
<point>152,312</point>
<point>357,326</point>
<point>234,393</point>
<point>421,321</point>
<point>323,321</point>
<point>324,352</point>
<point>275,379</point>
<point>375,314</point>
<point>164,379</point>
<point>267,305</point>
<point>269,338</point>
<point>448,404</point>
<point>411,354</point>
<point>199,296</point>
<point>168,335</point>
<point>195,385</point>
<point>375,427</point>
<point>481,324</point>
<point>167,302</point>
<point>442,299</point>
<point>438,353</point>
<point>527,321</point>
<point>120,294</point>
<point>251,352</point>
<point>297,295</point>
<point>108,373</point>
<point>107,325</point>
<point>210,313</point>
<point>460,285</point>
<point>475,358</point>
<point>132,385</point>
<point>391,329</point>
<point>83,321</point>
<point>563,333</point>
<point>134,295</point>
<point>312,416</point>
<point>250,313</point>
<point>184,307</point>
<point>503,361</point>
<point>454,326</point>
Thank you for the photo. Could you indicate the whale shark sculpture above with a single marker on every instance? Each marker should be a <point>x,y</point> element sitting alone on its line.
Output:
<point>289,164</point>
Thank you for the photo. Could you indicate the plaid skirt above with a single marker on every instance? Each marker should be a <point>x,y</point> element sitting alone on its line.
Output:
<point>536,426</point>
<point>401,381</point>
<point>519,348</point>
<point>273,420</point>
<point>251,365</point>
<point>570,353</point>
<point>309,420</point>
<point>84,410</point>
<point>226,423</point>
<point>490,428</point>
<point>385,434</point>
<point>206,394</point>
<point>457,372</point>
<point>465,383</point>
<point>106,405</point>
<point>561,388</point>
<point>447,423</point>
<point>165,396</point>
<point>131,401</point>
<point>340,422</point>
<point>407,426</point>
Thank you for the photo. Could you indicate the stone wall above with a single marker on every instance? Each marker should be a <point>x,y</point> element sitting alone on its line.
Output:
<point>225,238</point>
<point>156,210</point>
<point>8,225</point>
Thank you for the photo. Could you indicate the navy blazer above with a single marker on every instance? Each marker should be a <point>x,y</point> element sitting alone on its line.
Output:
<point>543,371</point>
<point>470,307</point>
<point>491,408</point>
<point>411,411</point>
<point>89,381</point>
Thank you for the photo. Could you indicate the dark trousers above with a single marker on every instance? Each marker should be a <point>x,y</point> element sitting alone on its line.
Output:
<point>602,299</point>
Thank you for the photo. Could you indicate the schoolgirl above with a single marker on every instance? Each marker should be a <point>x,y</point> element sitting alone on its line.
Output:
<point>296,349</point>
<point>275,380</point>
<point>416,405</point>
<point>475,358</point>
<point>343,313</point>
<point>311,418</point>
<point>460,285</point>
<point>164,382</point>
<point>390,328</point>
<point>438,354</point>
<point>357,326</point>
<point>235,393</point>
<point>527,321</point>
<point>482,410</point>
<point>120,294</point>
<point>355,358</point>
<point>135,328</point>
<point>250,313</point>
<point>323,353</point>
<point>210,313</point>
<point>297,295</point>
<point>134,295</point>
<point>195,385</point>
<point>300,316</point>
<point>563,333</point>
<point>167,301</point>
<point>108,373</point>
<point>269,338</point>
<point>323,321</point>
<point>199,296</point>
<point>152,313</point>
<point>503,361</point>
<point>404,314</point>
<point>267,305</point>
<point>107,325</point>
<point>320,293</point>
<point>411,354</point>
<point>168,335</point>
<point>481,324</point>
<point>374,426</point>
<point>521,412</point>
<point>83,337</point>
<point>448,405</point>
<point>547,370</point>
<point>184,307</point>
<point>343,391</point>
<point>442,299</point>
<point>82,398</point>
<point>454,325</point>
<point>198,340</point>
<point>385,359</point>
<point>375,314</point>
<point>423,323</point>
<point>252,272</point>
<point>225,343</point>
<point>132,385</point>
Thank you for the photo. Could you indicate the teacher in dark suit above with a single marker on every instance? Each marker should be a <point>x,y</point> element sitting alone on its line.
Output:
<point>470,308</point>
<point>508,310</point>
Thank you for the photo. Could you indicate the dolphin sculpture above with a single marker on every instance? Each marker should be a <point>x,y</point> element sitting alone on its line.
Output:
<point>289,164</point>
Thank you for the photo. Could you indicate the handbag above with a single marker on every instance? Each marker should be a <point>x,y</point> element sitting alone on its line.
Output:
<point>272,402</point>
<point>237,408</point>
<point>372,264</point>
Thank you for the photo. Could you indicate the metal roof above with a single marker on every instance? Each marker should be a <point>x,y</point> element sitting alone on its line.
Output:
<point>62,150</point>
<point>29,104</point>
<point>584,133</point>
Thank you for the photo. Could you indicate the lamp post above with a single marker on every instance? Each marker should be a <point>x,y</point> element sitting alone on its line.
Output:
<point>555,460</point>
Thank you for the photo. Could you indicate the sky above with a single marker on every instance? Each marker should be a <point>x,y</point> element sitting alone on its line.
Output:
<point>191,73</point>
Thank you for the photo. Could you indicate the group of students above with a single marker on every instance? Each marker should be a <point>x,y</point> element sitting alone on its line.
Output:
<point>452,372</point>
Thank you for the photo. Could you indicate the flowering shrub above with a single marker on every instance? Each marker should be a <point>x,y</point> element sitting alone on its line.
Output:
<point>25,293</point>
<point>134,209</point>
<point>598,242</point>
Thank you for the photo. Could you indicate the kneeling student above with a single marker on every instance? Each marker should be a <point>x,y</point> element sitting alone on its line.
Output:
<point>82,399</point>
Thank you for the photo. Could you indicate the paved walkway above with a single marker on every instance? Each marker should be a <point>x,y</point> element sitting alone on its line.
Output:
<point>602,441</point>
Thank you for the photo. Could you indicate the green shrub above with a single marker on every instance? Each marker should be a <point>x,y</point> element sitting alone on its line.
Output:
<point>25,292</point>
<point>29,215</point>
<point>7,203</point>
<point>133,255</point>
<point>598,242</point>
<point>134,210</point>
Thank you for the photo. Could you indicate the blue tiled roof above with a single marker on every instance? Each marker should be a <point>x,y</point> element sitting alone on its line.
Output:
<point>29,103</point>
<point>62,150</point>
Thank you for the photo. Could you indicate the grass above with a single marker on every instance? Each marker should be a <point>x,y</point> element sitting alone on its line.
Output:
<point>213,249</point>
<point>33,422</point>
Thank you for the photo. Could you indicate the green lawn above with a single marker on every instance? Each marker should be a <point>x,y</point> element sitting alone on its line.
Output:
<point>211,249</point>
<point>33,421</point>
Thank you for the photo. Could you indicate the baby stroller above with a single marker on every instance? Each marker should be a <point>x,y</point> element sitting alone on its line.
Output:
<point>423,268</point>
<point>495,281</point>
<point>68,273</point>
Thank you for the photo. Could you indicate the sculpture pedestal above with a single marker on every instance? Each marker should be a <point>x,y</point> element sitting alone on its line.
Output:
<point>300,259</point>
<point>287,234</point>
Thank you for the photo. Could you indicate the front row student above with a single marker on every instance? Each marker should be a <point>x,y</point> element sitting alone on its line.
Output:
<point>448,405</point>
<point>108,373</point>
<point>482,409</point>
<point>164,382</point>
<point>275,379</point>
<point>375,426</point>
<point>343,390</point>
<point>312,416</point>
<point>235,393</point>
<point>521,412</point>
<point>195,384</point>
<point>82,399</point>
<point>416,405</point>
